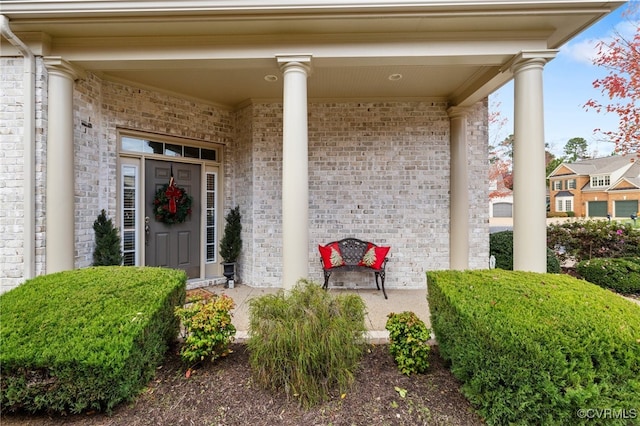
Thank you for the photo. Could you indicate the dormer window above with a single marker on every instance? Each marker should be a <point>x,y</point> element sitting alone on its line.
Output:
<point>600,181</point>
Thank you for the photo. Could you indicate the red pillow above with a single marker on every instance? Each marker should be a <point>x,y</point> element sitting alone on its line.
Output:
<point>374,256</point>
<point>331,256</point>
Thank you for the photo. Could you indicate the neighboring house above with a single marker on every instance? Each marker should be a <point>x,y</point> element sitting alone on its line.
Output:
<point>597,187</point>
<point>500,195</point>
<point>321,119</point>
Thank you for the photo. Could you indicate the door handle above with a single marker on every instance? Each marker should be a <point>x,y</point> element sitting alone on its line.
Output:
<point>147,230</point>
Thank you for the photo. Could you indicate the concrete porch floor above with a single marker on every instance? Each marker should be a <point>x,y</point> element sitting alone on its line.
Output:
<point>377,306</point>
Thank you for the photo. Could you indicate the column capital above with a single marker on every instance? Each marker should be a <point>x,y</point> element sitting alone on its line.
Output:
<point>537,58</point>
<point>458,111</point>
<point>64,68</point>
<point>286,61</point>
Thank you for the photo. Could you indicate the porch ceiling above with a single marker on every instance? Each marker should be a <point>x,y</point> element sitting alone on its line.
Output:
<point>221,51</point>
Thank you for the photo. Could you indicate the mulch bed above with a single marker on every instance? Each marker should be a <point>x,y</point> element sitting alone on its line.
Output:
<point>223,393</point>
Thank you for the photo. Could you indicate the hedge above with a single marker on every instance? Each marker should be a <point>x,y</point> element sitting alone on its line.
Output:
<point>619,274</point>
<point>86,339</point>
<point>501,247</point>
<point>587,239</point>
<point>535,348</point>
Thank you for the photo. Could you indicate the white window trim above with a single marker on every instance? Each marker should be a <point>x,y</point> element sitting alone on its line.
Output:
<point>135,164</point>
<point>561,204</point>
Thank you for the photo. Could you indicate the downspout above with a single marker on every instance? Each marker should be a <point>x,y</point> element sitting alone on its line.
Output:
<point>29,140</point>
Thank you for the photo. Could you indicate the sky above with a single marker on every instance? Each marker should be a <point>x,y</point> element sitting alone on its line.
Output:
<point>567,81</point>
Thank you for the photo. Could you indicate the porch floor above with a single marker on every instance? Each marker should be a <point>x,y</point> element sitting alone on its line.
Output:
<point>378,308</point>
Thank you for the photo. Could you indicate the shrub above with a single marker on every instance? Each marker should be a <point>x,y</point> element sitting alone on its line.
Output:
<point>87,338</point>
<point>535,348</point>
<point>501,246</point>
<point>618,274</point>
<point>208,331</point>
<point>408,342</point>
<point>306,341</point>
<point>557,214</point>
<point>231,243</point>
<point>587,239</point>
<point>107,251</point>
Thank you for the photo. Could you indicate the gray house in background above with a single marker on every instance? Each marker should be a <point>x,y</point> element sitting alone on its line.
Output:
<point>321,119</point>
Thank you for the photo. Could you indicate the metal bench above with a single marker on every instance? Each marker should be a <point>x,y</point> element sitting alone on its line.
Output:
<point>352,254</point>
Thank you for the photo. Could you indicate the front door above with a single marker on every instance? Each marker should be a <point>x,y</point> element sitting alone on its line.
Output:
<point>177,245</point>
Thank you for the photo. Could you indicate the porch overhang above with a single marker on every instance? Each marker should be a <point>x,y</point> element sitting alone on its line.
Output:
<point>220,52</point>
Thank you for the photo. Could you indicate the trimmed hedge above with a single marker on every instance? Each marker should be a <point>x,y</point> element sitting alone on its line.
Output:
<point>535,348</point>
<point>501,246</point>
<point>618,274</point>
<point>86,339</point>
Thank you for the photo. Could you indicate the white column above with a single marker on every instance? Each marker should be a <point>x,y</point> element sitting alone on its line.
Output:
<point>295,170</point>
<point>529,189</point>
<point>459,189</point>
<point>60,191</point>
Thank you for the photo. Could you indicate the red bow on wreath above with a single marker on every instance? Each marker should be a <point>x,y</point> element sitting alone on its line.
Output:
<point>171,203</point>
<point>173,193</point>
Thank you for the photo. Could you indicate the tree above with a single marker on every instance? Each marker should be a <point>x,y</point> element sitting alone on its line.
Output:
<point>621,57</point>
<point>500,168</point>
<point>231,243</point>
<point>576,149</point>
<point>107,250</point>
<point>552,164</point>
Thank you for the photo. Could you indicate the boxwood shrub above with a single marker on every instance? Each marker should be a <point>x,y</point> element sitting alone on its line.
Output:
<point>535,348</point>
<point>501,246</point>
<point>619,274</point>
<point>87,338</point>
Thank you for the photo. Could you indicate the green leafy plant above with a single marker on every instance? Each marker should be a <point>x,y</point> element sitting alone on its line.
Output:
<point>208,331</point>
<point>306,341</point>
<point>408,342</point>
<point>86,339</point>
<point>588,239</point>
<point>619,274</point>
<point>231,243</point>
<point>533,349</point>
<point>501,246</point>
<point>107,251</point>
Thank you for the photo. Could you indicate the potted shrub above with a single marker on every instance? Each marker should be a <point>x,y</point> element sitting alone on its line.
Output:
<point>231,244</point>
<point>107,251</point>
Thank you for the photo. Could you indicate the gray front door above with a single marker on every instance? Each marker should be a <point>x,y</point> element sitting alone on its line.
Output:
<point>178,245</point>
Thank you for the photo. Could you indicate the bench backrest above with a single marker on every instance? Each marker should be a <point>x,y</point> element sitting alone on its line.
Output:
<point>352,250</point>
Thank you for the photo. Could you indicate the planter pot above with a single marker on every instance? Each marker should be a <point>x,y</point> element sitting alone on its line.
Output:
<point>229,271</point>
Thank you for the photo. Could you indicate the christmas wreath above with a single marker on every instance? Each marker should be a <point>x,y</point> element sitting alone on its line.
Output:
<point>172,204</point>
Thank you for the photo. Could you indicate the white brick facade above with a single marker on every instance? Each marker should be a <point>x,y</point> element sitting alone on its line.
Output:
<point>12,178</point>
<point>378,171</point>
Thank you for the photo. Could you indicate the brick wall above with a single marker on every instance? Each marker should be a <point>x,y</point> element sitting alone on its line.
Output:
<point>379,171</point>
<point>12,178</point>
<point>110,106</point>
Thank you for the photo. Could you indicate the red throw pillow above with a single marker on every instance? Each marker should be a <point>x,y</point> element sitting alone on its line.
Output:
<point>374,256</point>
<point>331,256</point>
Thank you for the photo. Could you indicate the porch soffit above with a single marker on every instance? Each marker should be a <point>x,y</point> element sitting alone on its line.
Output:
<point>221,51</point>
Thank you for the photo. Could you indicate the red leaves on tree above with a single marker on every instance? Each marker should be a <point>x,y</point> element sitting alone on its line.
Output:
<point>621,57</point>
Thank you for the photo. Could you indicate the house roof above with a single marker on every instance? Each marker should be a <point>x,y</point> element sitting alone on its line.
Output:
<point>628,165</point>
<point>630,180</point>
<point>599,166</point>
<point>224,51</point>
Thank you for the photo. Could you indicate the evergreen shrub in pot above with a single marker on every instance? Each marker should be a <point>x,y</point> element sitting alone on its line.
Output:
<point>231,243</point>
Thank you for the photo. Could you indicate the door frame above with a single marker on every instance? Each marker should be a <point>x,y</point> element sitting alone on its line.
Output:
<point>133,159</point>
